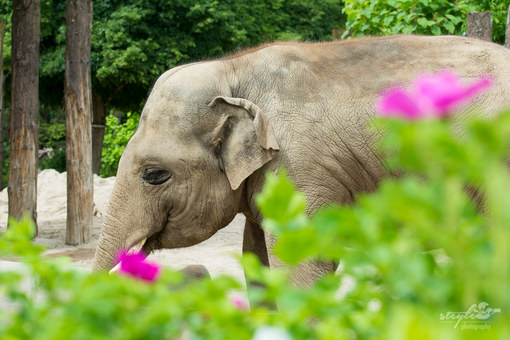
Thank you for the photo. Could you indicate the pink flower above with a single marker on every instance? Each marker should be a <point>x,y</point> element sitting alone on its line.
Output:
<point>238,301</point>
<point>431,95</point>
<point>135,265</point>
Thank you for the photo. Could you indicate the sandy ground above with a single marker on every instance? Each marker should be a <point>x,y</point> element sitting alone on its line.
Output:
<point>217,254</point>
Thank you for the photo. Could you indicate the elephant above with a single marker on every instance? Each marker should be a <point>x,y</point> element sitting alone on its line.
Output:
<point>211,130</point>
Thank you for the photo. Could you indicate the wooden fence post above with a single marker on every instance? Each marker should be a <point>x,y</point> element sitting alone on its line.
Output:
<point>479,25</point>
<point>507,41</point>
<point>24,115</point>
<point>78,104</point>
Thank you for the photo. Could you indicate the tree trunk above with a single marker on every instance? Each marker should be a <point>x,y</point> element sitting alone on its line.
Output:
<point>507,39</point>
<point>2,34</point>
<point>24,116</point>
<point>479,25</point>
<point>98,127</point>
<point>78,105</point>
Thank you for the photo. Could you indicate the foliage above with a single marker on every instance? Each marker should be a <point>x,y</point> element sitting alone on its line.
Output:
<point>430,17</point>
<point>420,246</point>
<point>72,304</point>
<point>52,56</point>
<point>52,135</point>
<point>411,254</point>
<point>115,140</point>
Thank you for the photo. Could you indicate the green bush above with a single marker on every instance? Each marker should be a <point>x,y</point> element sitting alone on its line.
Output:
<point>420,247</point>
<point>72,304</point>
<point>115,140</point>
<point>420,259</point>
<point>430,17</point>
<point>433,17</point>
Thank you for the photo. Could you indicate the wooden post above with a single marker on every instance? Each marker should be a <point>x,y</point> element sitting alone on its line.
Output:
<point>507,39</point>
<point>24,115</point>
<point>479,25</point>
<point>78,105</point>
<point>2,35</point>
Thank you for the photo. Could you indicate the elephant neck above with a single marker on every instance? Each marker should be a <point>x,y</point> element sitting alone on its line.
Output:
<point>251,188</point>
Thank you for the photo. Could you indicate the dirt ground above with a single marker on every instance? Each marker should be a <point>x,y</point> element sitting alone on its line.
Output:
<point>217,254</point>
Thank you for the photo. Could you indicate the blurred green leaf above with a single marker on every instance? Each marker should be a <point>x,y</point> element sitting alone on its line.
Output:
<point>281,203</point>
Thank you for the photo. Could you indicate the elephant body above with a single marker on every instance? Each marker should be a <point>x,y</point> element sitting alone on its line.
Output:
<point>211,130</point>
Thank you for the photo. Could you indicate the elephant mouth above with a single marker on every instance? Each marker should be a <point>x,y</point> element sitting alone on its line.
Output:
<point>147,246</point>
<point>134,249</point>
<point>152,243</point>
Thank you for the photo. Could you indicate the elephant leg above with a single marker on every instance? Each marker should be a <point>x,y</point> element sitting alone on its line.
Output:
<point>254,241</point>
<point>306,273</point>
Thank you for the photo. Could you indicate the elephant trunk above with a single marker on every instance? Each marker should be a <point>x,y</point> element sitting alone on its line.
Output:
<point>110,242</point>
<point>113,236</point>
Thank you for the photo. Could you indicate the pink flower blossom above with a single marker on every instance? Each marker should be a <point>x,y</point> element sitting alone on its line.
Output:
<point>431,95</point>
<point>134,265</point>
<point>238,301</point>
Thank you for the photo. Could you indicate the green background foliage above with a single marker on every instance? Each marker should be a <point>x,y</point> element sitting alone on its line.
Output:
<point>116,138</point>
<point>430,17</point>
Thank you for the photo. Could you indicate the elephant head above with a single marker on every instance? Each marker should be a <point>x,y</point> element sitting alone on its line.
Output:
<point>182,175</point>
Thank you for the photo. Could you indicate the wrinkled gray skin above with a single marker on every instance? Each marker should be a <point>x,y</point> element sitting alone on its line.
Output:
<point>211,130</point>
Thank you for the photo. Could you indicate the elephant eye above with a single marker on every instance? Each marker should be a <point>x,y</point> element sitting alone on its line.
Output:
<point>156,177</point>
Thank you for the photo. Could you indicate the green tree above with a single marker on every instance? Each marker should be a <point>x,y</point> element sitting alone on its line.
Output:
<point>115,140</point>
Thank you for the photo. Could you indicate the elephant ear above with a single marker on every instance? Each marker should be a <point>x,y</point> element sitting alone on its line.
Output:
<point>244,140</point>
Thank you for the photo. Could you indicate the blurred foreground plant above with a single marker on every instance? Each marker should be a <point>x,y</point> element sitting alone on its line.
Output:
<point>420,252</point>
<point>426,256</point>
<point>48,299</point>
